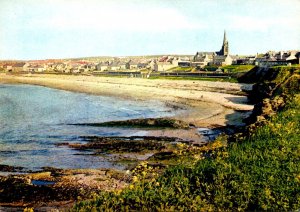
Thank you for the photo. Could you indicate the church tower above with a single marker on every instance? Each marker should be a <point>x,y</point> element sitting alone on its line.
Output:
<point>225,46</point>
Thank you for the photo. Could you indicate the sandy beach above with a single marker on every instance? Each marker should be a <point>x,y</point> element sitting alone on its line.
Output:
<point>201,103</point>
<point>221,100</point>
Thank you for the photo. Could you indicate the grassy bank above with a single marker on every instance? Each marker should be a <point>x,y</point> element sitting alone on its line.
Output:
<point>212,79</point>
<point>260,172</point>
<point>237,68</point>
<point>181,69</point>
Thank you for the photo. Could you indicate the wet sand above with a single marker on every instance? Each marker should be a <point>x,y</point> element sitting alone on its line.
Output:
<point>207,104</point>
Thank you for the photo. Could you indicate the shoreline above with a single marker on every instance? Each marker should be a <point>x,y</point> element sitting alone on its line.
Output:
<point>220,108</point>
<point>195,103</point>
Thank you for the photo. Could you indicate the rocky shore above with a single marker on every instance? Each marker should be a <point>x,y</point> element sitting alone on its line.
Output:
<point>57,188</point>
<point>161,147</point>
<point>61,188</point>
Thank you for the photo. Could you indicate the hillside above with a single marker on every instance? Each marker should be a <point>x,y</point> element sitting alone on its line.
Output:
<point>257,169</point>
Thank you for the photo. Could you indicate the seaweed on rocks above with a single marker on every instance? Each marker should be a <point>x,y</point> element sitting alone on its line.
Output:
<point>143,123</point>
<point>7,168</point>
<point>134,144</point>
<point>57,186</point>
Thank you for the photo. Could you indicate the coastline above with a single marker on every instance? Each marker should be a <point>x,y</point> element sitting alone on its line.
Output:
<point>198,103</point>
<point>220,106</point>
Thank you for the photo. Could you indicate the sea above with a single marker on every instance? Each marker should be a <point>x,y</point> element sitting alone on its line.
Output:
<point>33,119</point>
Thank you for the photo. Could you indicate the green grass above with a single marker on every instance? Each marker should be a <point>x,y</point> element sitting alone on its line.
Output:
<point>181,69</point>
<point>292,65</point>
<point>194,78</point>
<point>238,68</point>
<point>260,172</point>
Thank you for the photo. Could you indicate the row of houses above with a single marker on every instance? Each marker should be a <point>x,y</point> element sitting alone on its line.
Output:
<point>161,64</point>
<point>117,65</point>
<point>155,64</point>
<point>270,58</point>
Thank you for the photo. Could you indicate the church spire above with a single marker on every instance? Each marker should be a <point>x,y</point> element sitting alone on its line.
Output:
<point>225,38</point>
<point>225,47</point>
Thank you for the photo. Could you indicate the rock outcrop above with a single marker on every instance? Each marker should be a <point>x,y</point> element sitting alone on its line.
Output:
<point>144,123</point>
<point>271,94</point>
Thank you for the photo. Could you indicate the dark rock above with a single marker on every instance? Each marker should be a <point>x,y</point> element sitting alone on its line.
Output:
<point>143,123</point>
<point>266,109</point>
<point>120,145</point>
<point>163,156</point>
<point>7,168</point>
<point>20,189</point>
<point>261,91</point>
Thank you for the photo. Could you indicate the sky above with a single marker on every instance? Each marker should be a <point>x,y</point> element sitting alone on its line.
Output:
<point>45,29</point>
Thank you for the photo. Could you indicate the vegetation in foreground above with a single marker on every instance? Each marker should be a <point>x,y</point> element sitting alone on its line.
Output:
<point>259,171</point>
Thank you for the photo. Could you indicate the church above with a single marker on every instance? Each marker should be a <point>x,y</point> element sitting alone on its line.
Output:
<point>218,58</point>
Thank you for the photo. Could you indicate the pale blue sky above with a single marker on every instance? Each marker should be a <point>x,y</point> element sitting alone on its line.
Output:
<point>40,29</point>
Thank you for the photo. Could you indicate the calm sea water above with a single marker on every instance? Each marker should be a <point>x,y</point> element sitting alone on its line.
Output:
<point>34,118</point>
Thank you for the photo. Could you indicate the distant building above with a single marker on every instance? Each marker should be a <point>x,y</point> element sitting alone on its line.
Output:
<point>202,59</point>
<point>222,60</point>
<point>184,63</point>
<point>225,47</point>
<point>142,65</point>
<point>115,66</point>
<point>164,66</point>
<point>102,66</point>
<point>219,58</point>
<point>272,58</point>
<point>15,67</point>
<point>153,65</point>
<point>249,60</point>
<point>133,64</point>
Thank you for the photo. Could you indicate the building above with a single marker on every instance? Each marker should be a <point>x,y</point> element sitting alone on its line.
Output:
<point>133,64</point>
<point>153,65</point>
<point>102,66</point>
<point>202,59</point>
<point>115,66</point>
<point>164,66</point>
<point>15,67</point>
<point>225,47</point>
<point>219,58</point>
<point>272,58</point>
<point>184,64</point>
<point>222,60</point>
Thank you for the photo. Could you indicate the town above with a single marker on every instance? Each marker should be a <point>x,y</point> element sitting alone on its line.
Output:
<point>209,64</point>
<point>128,105</point>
